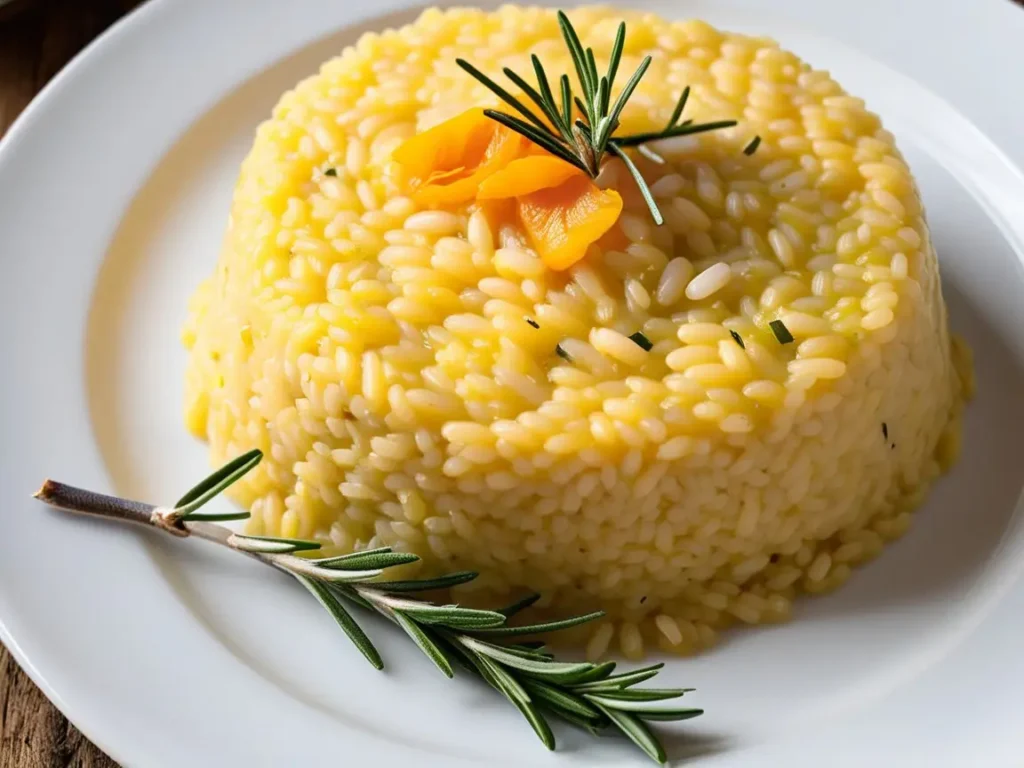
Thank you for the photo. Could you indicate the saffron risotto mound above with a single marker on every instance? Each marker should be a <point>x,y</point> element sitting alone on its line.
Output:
<point>420,378</point>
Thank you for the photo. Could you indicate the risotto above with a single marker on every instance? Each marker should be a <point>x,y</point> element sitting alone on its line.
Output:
<point>686,428</point>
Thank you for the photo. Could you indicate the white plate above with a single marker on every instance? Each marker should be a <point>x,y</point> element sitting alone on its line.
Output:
<point>114,187</point>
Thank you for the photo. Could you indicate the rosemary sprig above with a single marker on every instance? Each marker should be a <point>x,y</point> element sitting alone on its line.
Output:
<point>583,142</point>
<point>588,695</point>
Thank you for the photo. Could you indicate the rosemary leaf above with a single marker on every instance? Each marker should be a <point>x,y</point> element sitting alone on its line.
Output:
<point>685,129</point>
<point>369,561</point>
<point>519,605</point>
<point>518,696</point>
<point>217,482</point>
<point>306,567</point>
<point>644,694</point>
<point>563,123</point>
<point>645,191</point>
<point>327,599</point>
<point>460,655</point>
<point>751,148</point>
<point>572,42</point>
<point>502,94</point>
<point>214,518</point>
<point>581,106</point>
<point>649,709</point>
<point>549,670</point>
<point>272,544</point>
<point>501,679</point>
<point>668,715</point>
<point>616,55</point>
<point>540,653</point>
<point>603,96</point>
<point>547,626</point>
<point>601,139</point>
<point>425,585</point>
<point>425,642</point>
<point>678,111</point>
<point>592,73</point>
<point>561,699</point>
<point>594,727</point>
<point>597,673</point>
<point>334,562</point>
<point>566,100</point>
<point>545,106</point>
<point>452,616</point>
<point>738,339</point>
<point>528,653</point>
<point>542,78</point>
<point>623,680</point>
<point>639,733</point>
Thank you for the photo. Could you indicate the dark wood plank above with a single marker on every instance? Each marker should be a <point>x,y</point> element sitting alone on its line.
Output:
<point>33,733</point>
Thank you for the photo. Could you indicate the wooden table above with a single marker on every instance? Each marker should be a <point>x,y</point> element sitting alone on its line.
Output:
<point>36,40</point>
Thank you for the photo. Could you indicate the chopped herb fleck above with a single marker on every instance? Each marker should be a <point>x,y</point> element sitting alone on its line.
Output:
<point>781,332</point>
<point>885,430</point>
<point>533,322</point>
<point>643,599</point>
<point>641,341</point>
<point>562,353</point>
<point>751,148</point>
<point>738,339</point>
<point>331,172</point>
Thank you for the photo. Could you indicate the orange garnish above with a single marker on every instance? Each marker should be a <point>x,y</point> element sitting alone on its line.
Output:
<point>446,164</point>
<point>563,221</point>
<point>473,158</point>
<point>527,175</point>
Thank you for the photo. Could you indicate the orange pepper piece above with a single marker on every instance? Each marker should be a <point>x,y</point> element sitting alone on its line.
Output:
<point>527,175</point>
<point>563,221</point>
<point>445,165</point>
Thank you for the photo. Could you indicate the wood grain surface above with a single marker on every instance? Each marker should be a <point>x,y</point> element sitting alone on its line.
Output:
<point>37,37</point>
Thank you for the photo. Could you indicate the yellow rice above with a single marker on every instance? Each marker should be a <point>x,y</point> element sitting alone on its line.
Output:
<point>381,357</point>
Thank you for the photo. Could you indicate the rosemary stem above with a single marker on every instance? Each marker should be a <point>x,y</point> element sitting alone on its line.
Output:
<point>377,600</point>
<point>218,534</point>
<point>80,501</point>
<point>83,502</point>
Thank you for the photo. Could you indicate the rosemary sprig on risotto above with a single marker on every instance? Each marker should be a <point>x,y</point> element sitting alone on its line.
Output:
<point>588,695</point>
<point>583,141</point>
